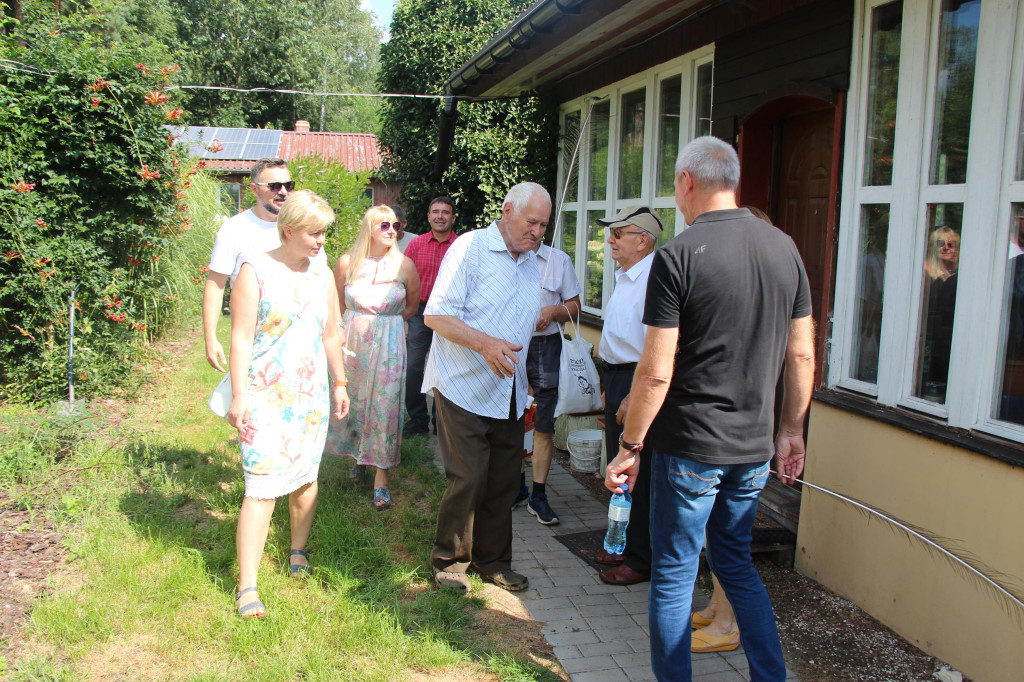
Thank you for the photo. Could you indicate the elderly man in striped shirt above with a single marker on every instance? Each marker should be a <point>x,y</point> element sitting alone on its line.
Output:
<point>483,309</point>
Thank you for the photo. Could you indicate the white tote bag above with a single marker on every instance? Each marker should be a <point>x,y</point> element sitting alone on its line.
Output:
<point>579,386</point>
<point>220,400</point>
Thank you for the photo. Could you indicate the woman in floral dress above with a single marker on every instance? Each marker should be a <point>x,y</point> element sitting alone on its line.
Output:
<point>284,336</point>
<point>381,290</point>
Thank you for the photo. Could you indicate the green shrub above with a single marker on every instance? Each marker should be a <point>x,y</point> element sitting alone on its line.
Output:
<point>344,190</point>
<point>91,196</point>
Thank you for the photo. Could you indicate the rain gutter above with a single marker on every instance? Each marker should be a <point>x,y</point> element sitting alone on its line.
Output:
<point>536,21</point>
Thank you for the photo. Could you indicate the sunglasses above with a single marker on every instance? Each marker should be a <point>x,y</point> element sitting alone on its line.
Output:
<point>275,187</point>
<point>617,232</point>
<point>939,243</point>
<point>385,226</point>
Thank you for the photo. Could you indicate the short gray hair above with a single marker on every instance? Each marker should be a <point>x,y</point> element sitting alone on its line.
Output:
<point>712,162</point>
<point>520,195</point>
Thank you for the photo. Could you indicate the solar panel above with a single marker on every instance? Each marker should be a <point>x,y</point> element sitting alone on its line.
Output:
<point>262,144</point>
<point>238,143</point>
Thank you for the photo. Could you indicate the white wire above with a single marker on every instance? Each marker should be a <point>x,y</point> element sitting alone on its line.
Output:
<point>302,92</point>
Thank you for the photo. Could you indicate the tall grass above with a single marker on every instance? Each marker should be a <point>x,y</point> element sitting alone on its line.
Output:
<point>149,512</point>
<point>183,273</point>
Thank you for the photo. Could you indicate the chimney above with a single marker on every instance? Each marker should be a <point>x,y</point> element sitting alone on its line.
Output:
<point>302,126</point>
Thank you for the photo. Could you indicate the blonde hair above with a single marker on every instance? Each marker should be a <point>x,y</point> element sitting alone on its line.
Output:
<point>932,265</point>
<point>304,210</point>
<point>374,216</point>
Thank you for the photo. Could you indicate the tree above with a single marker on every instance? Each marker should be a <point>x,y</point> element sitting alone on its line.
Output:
<point>496,143</point>
<point>340,52</point>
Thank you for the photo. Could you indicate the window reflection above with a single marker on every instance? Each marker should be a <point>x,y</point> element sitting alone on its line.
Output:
<point>703,113</point>
<point>631,144</point>
<point>883,86</point>
<point>874,236</point>
<point>954,90</point>
<point>594,285</point>
<point>570,139</point>
<point>599,136</point>
<point>569,236</point>
<point>938,304</point>
<point>668,224</point>
<point>668,134</point>
<point>1009,405</point>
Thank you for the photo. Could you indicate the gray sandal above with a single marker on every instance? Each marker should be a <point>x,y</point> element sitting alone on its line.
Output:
<point>255,605</point>
<point>299,569</point>
<point>454,579</point>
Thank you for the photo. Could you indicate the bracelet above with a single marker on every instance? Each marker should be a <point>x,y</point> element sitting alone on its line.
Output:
<point>341,384</point>
<point>632,447</point>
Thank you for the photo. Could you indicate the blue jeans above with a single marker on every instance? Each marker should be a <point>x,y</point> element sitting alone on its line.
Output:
<point>688,499</point>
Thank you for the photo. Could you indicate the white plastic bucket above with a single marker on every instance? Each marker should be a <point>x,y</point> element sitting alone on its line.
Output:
<point>585,450</point>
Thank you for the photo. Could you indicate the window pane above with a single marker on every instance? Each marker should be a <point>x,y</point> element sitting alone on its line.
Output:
<point>703,118</point>
<point>595,261</point>
<point>958,43</point>
<point>668,224</point>
<point>938,305</point>
<point>568,241</point>
<point>668,134</point>
<point>570,155</point>
<point>599,151</point>
<point>883,82</point>
<point>867,320</point>
<point>1009,405</point>
<point>631,144</point>
<point>1020,147</point>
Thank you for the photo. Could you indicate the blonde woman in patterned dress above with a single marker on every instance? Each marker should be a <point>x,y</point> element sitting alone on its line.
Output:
<point>284,336</point>
<point>380,290</point>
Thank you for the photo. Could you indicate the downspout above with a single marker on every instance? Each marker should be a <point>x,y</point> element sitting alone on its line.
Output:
<point>445,134</point>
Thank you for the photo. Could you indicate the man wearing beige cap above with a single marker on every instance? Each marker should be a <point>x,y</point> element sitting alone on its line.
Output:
<point>633,234</point>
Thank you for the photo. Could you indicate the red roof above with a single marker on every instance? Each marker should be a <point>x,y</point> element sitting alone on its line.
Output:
<point>357,151</point>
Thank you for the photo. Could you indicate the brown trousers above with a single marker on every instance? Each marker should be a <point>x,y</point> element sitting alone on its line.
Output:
<point>481,458</point>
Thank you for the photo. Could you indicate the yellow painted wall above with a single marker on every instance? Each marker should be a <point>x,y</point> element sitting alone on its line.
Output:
<point>975,502</point>
<point>590,334</point>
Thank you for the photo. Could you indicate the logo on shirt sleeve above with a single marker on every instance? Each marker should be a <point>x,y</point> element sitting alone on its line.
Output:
<point>700,249</point>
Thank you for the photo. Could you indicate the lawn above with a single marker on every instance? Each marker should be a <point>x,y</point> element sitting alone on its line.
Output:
<point>146,494</point>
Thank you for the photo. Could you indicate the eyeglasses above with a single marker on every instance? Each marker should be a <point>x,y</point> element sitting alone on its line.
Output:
<point>617,232</point>
<point>275,187</point>
<point>385,226</point>
<point>939,243</point>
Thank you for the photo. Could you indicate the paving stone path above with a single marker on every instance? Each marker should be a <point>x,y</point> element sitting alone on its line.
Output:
<point>599,632</point>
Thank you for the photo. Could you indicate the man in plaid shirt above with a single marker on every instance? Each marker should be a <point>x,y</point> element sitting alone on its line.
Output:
<point>426,251</point>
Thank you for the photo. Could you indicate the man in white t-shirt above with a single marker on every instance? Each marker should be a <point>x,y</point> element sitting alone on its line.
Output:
<point>249,232</point>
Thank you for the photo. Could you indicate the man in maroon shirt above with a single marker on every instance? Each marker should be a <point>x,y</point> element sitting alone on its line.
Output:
<point>426,252</point>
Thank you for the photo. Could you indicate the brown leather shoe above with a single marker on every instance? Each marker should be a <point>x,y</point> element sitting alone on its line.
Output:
<point>607,558</point>
<point>623,575</point>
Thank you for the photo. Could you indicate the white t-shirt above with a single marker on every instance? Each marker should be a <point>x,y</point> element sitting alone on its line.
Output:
<point>242,235</point>
<point>558,281</point>
<point>404,241</point>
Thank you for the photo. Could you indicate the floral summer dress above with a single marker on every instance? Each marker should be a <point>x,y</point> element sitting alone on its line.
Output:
<point>375,368</point>
<point>289,401</point>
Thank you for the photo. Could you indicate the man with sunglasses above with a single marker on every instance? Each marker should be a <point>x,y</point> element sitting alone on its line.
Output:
<point>633,235</point>
<point>251,231</point>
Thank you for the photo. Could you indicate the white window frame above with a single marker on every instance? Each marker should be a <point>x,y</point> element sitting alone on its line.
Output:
<point>986,197</point>
<point>686,68</point>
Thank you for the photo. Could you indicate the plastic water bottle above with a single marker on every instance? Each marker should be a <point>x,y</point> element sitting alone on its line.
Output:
<point>618,519</point>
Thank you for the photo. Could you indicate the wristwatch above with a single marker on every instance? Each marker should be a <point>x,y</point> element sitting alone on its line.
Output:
<point>632,447</point>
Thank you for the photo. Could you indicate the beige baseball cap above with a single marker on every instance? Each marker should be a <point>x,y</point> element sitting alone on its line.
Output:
<point>639,216</point>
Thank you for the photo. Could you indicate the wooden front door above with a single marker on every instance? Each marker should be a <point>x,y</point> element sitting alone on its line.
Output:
<point>800,193</point>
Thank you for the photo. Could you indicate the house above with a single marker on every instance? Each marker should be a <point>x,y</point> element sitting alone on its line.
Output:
<point>242,147</point>
<point>887,138</point>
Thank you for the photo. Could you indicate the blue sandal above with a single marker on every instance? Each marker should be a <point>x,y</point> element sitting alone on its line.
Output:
<point>255,605</point>
<point>381,498</point>
<point>299,569</point>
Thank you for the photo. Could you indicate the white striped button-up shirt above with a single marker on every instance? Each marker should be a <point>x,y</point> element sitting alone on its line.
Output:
<point>482,284</point>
